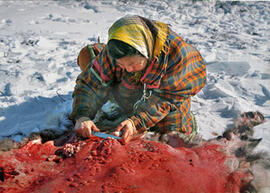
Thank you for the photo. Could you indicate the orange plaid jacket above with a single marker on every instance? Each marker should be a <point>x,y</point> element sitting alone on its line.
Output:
<point>178,73</point>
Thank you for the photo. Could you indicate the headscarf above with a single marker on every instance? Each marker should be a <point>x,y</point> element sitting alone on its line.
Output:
<point>147,36</point>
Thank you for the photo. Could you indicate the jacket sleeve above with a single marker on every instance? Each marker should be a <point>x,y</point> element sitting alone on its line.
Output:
<point>149,112</point>
<point>92,87</point>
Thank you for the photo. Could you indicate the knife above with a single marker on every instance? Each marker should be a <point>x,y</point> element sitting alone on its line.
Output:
<point>104,135</point>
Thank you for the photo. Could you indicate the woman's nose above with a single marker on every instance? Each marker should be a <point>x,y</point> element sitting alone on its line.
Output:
<point>129,69</point>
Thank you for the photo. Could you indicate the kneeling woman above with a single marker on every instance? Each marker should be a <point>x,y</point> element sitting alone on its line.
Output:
<point>152,74</point>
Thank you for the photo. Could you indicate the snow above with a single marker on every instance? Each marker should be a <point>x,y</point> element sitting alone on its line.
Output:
<point>40,41</point>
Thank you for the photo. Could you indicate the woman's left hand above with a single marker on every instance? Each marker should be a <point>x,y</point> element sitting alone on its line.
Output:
<point>127,128</point>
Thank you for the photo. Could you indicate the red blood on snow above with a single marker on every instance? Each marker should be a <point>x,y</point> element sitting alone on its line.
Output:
<point>99,165</point>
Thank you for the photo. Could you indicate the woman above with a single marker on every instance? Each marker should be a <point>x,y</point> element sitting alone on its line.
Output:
<point>152,73</point>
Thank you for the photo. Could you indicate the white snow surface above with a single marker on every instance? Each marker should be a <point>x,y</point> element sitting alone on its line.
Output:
<point>40,41</point>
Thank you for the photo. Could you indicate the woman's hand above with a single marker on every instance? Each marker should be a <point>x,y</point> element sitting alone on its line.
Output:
<point>127,128</point>
<point>84,127</point>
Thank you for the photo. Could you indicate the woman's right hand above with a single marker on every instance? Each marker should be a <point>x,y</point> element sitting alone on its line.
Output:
<point>84,127</point>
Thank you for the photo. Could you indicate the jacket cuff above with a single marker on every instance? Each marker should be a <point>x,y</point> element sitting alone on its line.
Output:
<point>140,127</point>
<point>77,115</point>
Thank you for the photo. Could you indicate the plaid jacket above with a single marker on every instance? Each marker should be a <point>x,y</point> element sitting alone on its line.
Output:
<point>178,73</point>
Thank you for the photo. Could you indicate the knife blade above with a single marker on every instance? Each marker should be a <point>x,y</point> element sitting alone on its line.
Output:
<point>104,135</point>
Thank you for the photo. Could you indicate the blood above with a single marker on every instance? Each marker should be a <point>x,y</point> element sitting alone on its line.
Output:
<point>99,165</point>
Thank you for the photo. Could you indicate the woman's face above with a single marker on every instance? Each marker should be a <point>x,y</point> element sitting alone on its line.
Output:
<point>132,63</point>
